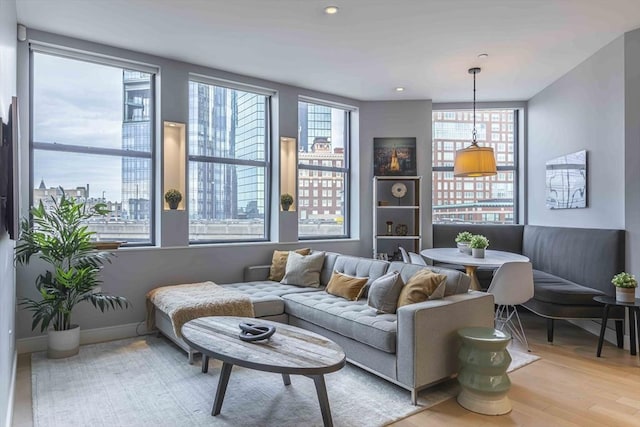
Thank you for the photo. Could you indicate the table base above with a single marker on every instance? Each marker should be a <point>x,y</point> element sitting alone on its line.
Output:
<point>634,320</point>
<point>483,403</point>
<point>471,272</point>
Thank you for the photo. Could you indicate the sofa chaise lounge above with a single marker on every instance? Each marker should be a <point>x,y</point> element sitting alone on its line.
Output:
<point>414,348</point>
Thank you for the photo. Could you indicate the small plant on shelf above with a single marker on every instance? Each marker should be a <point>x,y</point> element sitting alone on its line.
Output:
<point>173,197</point>
<point>286,200</point>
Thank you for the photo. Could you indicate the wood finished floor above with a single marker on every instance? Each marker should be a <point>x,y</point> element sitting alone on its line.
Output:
<point>569,386</point>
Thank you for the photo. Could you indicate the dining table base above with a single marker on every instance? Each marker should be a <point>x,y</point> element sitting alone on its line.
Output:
<point>471,272</point>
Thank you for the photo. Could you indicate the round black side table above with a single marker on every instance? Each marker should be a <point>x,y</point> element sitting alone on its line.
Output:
<point>634,311</point>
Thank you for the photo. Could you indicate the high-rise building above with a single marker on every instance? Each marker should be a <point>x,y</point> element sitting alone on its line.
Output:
<point>136,135</point>
<point>314,122</point>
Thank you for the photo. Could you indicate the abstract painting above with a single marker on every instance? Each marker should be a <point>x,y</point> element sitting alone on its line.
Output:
<point>567,181</point>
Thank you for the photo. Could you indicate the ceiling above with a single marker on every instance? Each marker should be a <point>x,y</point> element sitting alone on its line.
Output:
<point>364,51</point>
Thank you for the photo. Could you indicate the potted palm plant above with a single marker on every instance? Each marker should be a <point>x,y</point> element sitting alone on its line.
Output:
<point>478,244</point>
<point>59,237</point>
<point>462,241</point>
<point>626,285</point>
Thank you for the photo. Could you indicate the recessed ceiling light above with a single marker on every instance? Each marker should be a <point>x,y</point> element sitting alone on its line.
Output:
<point>399,89</point>
<point>483,55</point>
<point>331,10</point>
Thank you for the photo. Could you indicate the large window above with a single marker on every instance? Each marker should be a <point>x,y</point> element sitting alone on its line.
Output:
<point>228,164</point>
<point>323,170</point>
<point>93,139</point>
<point>488,200</point>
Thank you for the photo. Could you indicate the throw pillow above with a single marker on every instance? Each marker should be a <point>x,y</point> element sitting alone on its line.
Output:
<point>422,286</point>
<point>345,286</point>
<point>384,292</point>
<point>279,262</point>
<point>303,270</point>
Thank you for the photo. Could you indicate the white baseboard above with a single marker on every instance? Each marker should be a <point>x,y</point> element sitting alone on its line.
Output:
<point>593,326</point>
<point>88,336</point>
<point>12,391</point>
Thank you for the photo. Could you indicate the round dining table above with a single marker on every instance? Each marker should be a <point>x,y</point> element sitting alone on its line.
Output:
<point>454,256</point>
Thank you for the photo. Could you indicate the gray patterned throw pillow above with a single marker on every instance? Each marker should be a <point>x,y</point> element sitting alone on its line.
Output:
<point>303,270</point>
<point>384,292</point>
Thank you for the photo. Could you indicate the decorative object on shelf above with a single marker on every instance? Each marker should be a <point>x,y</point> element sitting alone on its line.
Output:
<point>478,244</point>
<point>462,241</point>
<point>402,229</point>
<point>383,203</point>
<point>394,157</point>
<point>255,332</point>
<point>173,197</point>
<point>59,237</point>
<point>567,181</point>
<point>399,190</point>
<point>389,228</point>
<point>286,200</point>
<point>106,246</point>
<point>626,285</point>
<point>474,161</point>
<point>382,256</point>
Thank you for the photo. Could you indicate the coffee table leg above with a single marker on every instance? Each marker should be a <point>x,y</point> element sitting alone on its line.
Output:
<point>205,364</point>
<point>323,399</point>
<point>225,373</point>
<point>471,272</point>
<point>286,379</point>
<point>603,328</point>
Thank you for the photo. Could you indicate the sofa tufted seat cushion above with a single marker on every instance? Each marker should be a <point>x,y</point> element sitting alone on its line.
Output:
<point>352,319</point>
<point>554,289</point>
<point>266,295</point>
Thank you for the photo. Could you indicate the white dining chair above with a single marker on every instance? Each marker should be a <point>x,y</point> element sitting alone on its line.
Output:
<point>415,258</point>
<point>512,284</point>
<point>405,255</point>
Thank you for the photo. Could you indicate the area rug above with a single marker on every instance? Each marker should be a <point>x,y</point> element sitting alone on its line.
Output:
<point>147,382</point>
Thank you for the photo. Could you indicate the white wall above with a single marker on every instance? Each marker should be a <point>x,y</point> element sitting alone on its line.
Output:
<point>137,270</point>
<point>584,109</point>
<point>379,119</point>
<point>7,273</point>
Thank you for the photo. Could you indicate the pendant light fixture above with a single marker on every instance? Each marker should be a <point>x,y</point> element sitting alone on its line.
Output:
<point>474,161</point>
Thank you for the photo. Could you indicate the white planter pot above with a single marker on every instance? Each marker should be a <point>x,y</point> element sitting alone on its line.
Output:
<point>477,253</point>
<point>464,248</point>
<point>61,344</point>
<point>625,294</point>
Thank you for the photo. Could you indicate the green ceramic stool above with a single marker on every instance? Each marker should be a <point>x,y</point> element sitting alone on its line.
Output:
<point>484,360</point>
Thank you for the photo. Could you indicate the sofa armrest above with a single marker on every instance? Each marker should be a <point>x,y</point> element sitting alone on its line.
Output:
<point>254,273</point>
<point>427,346</point>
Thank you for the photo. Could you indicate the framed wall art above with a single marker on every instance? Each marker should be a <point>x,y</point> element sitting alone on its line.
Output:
<point>394,157</point>
<point>566,181</point>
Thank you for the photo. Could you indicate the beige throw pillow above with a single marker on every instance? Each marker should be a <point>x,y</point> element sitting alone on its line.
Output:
<point>345,286</point>
<point>422,286</point>
<point>279,262</point>
<point>303,270</point>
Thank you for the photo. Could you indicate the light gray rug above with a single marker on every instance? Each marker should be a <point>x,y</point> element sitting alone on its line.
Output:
<point>147,382</point>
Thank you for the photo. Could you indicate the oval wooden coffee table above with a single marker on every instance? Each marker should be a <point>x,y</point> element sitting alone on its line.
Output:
<point>290,351</point>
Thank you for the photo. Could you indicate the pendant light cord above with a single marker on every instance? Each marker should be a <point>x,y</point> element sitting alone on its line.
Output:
<point>475,132</point>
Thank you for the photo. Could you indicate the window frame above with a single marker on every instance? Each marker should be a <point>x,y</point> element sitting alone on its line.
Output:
<point>516,152</point>
<point>36,48</point>
<point>266,164</point>
<point>345,169</point>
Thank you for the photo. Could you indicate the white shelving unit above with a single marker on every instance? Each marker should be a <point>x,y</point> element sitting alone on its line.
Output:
<point>399,211</point>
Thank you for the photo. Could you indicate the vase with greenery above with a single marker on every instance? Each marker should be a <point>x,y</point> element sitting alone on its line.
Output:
<point>478,244</point>
<point>286,200</point>
<point>626,285</point>
<point>60,238</point>
<point>173,198</point>
<point>462,240</point>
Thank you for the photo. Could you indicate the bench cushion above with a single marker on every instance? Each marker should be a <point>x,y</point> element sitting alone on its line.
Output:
<point>554,289</point>
<point>352,319</point>
<point>265,295</point>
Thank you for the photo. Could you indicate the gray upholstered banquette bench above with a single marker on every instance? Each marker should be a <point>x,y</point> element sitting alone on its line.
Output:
<point>570,266</point>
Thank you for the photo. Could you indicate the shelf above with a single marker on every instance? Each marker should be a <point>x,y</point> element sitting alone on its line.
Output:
<point>386,237</point>
<point>398,207</point>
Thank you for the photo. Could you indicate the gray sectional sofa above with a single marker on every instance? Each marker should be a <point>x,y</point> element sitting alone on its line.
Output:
<point>570,266</point>
<point>414,348</point>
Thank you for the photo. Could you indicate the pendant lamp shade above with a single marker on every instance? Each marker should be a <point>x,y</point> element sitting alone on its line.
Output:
<point>474,161</point>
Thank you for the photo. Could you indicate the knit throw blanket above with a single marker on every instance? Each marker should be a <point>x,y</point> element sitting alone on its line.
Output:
<point>191,301</point>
